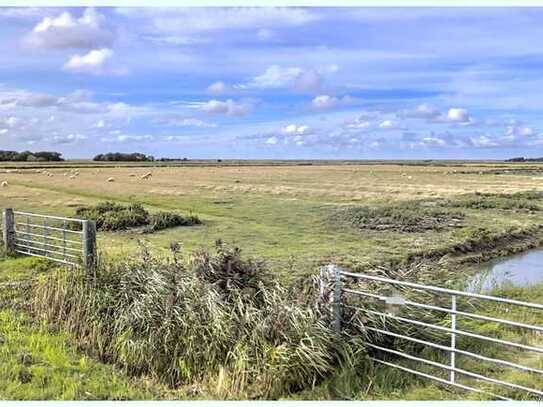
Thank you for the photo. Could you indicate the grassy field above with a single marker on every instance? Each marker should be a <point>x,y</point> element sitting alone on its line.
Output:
<point>280,212</point>
<point>296,217</point>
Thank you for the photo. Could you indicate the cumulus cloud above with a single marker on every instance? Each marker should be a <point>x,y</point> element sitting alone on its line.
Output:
<point>196,20</point>
<point>519,130</point>
<point>296,78</point>
<point>228,107</point>
<point>458,115</point>
<point>93,62</point>
<point>272,140</point>
<point>324,102</point>
<point>422,111</point>
<point>66,31</point>
<point>125,138</point>
<point>68,139</point>
<point>216,88</point>
<point>296,129</point>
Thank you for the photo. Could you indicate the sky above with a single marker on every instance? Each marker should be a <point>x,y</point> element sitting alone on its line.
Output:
<point>273,83</point>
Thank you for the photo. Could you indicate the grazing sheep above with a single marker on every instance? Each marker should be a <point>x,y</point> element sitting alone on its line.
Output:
<point>4,183</point>
<point>110,179</point>
<point>72,176</point>
<point>147,176</point>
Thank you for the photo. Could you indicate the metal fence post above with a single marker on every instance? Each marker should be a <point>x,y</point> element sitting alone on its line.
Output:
<point>335,272</point>
<point>8,229</point>
<point>89,243</point>
<point>453,338</point>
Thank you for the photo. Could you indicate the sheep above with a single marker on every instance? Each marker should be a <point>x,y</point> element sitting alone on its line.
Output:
<point>4,183</point>
<point>132,175</point>
<point>146,176</point>
<point>110,179</point>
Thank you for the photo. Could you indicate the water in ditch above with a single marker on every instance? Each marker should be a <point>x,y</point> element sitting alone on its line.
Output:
<point>520,270</point>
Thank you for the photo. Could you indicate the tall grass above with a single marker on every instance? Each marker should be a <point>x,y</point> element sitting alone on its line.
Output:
<point>210,319</point>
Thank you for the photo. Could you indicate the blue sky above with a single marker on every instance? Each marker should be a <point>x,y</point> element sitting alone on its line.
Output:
<point>368,83</point>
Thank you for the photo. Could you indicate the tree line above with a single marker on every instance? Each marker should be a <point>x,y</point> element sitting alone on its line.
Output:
<point>132,157</point>
<point>30,156</point>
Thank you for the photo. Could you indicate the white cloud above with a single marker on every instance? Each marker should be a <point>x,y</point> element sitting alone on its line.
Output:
<point>93,62</point>
<point>387,124</point>
<point>458,115</point>
<point>100,124</point>
<point>228,107</point>
<point>198,20</point>
<point>12,121</point>
<point>296,129</point>
<point>67,31</point>
<point>324,102</point>
<point>298,78</point>
<point>68,139</point>
<point>519,130</point>
<point>216,88</point>
<point>184,122</point>
<point>272,140</point>
<point>124,138</point>
<point>483,141</point>
<point>433,141</point>
<point>423,111</point>
<point>3,131</point>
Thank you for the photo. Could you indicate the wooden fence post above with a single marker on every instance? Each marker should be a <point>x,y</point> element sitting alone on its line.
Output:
<point>89,244</point>
<point>8,229</point>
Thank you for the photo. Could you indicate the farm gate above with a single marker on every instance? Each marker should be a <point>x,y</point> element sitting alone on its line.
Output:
<point>438,333</point>
<point>68,241</point>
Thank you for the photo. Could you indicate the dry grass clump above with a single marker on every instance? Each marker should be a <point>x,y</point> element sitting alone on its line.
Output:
<point>402,217</point>
<point>110,216</point>
<point>213,320</point>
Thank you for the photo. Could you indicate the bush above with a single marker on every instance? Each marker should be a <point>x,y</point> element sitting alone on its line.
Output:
<point>165,220</point>
<point>110,216</point>
<point>403,217</point>
<point>189,320</point>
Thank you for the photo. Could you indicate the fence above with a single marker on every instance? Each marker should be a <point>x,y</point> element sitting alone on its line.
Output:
<point>63,240</point>
<point>421,317</point>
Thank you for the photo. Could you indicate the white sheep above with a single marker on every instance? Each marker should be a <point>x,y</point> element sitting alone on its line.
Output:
<point>4,183</point>
<point>110,179</point>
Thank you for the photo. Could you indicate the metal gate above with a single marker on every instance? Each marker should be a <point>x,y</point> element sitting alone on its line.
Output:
<point>63,240</point>
<point>444,335</point>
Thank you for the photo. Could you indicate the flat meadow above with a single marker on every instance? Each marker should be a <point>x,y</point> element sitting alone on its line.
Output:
<point>432,222</point>
<point>281,212</point>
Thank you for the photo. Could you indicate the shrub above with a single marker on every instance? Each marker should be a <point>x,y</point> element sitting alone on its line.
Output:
<point>165,220</point>
<point>110,216</point>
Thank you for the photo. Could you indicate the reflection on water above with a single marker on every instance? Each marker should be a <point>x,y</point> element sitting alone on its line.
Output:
<point>520,270</point>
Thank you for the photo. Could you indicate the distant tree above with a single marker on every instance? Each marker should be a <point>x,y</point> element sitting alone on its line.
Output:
<point>123,157</point>
<point>30,156</point>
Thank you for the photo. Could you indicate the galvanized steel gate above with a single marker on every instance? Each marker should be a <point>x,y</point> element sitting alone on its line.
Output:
<point>68,241</point>
<point>400,321</point>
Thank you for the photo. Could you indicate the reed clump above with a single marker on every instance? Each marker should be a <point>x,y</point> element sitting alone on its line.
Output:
<point>211,320</point>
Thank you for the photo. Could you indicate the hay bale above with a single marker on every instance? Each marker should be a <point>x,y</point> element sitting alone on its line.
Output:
<point>147,176</point>
<point>111,179</point>
<point>4,184</point>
